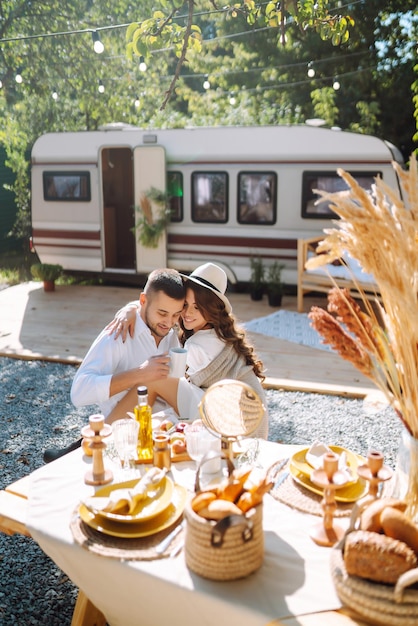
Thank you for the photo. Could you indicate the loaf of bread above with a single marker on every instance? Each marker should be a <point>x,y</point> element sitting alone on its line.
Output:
<point>397,525</point>
<point>370,518</point>
<point>377,557</point>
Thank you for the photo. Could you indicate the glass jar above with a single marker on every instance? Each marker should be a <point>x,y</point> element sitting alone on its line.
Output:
<point>406,476</point>
<point>162,453</point>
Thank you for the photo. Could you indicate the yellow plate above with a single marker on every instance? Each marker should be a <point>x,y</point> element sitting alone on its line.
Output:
<point>299,463</point>
<point>351,493</point>
<point>140,529</point>
<point>156,502</point>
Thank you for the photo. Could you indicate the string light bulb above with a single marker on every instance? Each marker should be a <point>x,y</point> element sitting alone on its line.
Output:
<point>336,84</point>
<point>101,87</point>
<point>206,83</point>
<point>142,64</point>
<point>1,84</point>
<point>232,100</point>
<point>18,77</point>
<point>98,46</point>
<point>311,70</point>
<point>137,102</point>
<point>54,94</point>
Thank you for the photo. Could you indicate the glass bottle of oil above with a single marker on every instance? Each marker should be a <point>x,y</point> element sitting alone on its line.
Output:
<point>143,416</point>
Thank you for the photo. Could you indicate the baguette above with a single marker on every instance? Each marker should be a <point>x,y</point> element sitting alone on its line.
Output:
<point>248,500</point>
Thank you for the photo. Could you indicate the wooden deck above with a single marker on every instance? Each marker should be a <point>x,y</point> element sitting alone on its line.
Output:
<point>60,326</point>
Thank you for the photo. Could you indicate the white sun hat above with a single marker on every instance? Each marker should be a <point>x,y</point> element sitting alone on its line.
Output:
<point>214,278</point>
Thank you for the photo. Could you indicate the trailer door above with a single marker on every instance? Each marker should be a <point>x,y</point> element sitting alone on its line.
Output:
<point>149,171</point>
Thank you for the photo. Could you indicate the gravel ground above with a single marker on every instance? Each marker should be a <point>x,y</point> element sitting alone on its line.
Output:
<point>36,413</point>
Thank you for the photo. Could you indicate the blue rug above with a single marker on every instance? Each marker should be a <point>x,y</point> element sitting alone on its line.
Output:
<point>289,326</point>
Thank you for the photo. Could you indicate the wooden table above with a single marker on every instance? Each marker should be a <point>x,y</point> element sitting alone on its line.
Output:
<point>13,509</point>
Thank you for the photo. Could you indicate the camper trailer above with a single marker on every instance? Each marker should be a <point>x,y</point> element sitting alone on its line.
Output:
<point>234,193</point>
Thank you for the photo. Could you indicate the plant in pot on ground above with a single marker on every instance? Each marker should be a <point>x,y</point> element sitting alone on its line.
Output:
<point>46,272</point>
<point>275,285</point>
<point>257,278</point>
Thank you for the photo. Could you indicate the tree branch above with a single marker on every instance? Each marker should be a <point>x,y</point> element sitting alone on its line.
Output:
<point>182,56</point>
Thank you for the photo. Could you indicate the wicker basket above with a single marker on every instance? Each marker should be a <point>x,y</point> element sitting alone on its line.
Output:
<point>228,549</point>
<point>391,605</point>
<point>378,603</point>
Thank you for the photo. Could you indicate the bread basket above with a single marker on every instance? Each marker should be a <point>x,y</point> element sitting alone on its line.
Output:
<point>381,604</point>
<point>229,549</point>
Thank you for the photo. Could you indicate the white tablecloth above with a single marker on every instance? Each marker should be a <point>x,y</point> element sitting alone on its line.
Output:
<point>294,578</point>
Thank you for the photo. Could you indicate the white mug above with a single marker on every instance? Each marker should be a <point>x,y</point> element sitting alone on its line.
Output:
<point>178,357</point>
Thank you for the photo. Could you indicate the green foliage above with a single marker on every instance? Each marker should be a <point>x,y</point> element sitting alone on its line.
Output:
<point>257,271</point>
<point>274,277</point>
<point>46,271</point>
<point>369,118</point>
<point>261,70</point>
<point>10,276</point>
<point>163,30</point>
<point>415,100</point>
<point>323,101</point>
<point>152,223</point>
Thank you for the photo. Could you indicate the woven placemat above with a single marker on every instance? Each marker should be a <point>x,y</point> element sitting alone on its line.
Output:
<point>140,549</point>
<point>297,497</point>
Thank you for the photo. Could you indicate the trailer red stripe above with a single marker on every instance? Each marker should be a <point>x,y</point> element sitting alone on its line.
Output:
<point>236,242</point>
<point>66,234</point>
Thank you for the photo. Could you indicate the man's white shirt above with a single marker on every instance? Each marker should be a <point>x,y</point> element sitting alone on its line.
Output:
<point>107,356</point>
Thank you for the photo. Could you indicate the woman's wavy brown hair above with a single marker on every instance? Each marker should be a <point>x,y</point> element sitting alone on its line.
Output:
<point>213,310</point>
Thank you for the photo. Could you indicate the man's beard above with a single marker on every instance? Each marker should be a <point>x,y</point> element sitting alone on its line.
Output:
<point>154,328</point>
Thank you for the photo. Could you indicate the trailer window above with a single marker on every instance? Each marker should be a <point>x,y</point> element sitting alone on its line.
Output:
<point>257,197</point>
<point>67,186</point>
<point>175,195</point>
<point>210,197</point>
<point>330,182</point>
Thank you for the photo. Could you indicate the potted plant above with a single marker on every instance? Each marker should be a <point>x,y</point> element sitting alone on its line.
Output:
<point>257,278</point>
<point>46,272</point>
<point>274,284</point>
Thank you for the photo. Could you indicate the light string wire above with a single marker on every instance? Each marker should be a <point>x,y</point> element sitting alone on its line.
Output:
<point>209,41</point>
<point>276,85</point>
<point>176,17</point>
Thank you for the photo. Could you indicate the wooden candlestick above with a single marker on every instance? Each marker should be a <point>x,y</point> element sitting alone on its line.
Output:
<point>97,430</point>
<point>374,472</point>
<point>329,479</point>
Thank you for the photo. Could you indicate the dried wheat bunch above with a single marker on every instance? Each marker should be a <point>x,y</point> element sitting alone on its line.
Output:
<point>146,208</point>
<point>379,230</point>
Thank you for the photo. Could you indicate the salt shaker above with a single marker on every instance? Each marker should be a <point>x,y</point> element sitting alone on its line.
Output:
<point>161,449</point>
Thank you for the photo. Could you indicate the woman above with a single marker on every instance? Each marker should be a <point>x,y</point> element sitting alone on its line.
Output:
<point>216,348</point>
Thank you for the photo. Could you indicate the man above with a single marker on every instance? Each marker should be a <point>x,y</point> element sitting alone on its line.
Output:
<point>112,367</point>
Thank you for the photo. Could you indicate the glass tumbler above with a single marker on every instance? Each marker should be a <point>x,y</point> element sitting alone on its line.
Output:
<point>125,438</point>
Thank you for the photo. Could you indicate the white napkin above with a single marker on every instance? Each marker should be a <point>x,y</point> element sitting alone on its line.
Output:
<point>315,458</point>
<point>124,501</point>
